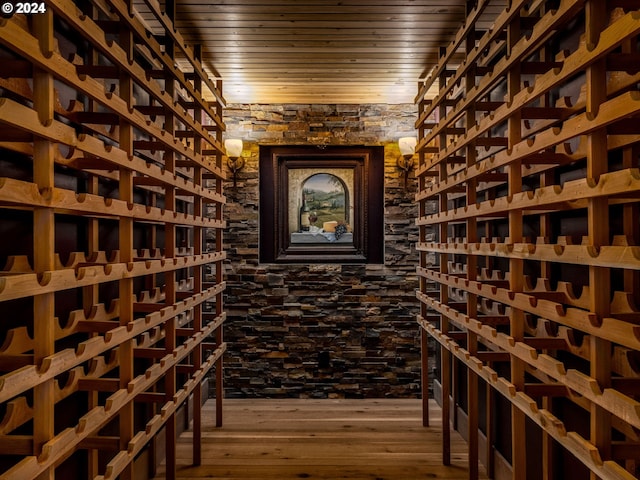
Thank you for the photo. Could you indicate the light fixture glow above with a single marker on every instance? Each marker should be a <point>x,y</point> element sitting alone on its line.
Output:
<point>233,146</point>
<point>407,145</point>
<point>235,162</point>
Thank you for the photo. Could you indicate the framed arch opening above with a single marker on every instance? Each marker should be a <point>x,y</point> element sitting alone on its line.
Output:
<point>321,205</point>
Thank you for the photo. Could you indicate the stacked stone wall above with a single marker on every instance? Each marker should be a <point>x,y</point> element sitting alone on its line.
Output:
<point>321,331</point>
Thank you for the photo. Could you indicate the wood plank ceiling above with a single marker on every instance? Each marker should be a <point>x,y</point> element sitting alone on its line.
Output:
<point>321,51</point>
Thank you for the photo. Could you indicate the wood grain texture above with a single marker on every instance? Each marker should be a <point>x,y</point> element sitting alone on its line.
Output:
<point>361,51</point>
<point>320,439</point>
<point>79,356</point>
<point>542,158</point>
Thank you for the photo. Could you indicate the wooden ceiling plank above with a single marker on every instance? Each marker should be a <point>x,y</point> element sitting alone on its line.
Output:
<point>364,5</point>
<point>372,50</point>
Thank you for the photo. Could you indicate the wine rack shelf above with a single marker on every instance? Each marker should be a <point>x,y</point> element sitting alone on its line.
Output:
<point>528,206</point>
<point>111,211</point>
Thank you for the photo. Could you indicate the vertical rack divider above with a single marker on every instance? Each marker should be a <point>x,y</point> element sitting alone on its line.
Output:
<point>471,234</point>
<point>44,245</point>
<point>125,246</point>
<point>171,247</point>
<point>446,359</point>
<point>598,220</point>
<point>516,265</point>
<point>198,277</point>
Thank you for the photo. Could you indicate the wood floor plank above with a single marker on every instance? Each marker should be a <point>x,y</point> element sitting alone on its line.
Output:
<point>320,439</point>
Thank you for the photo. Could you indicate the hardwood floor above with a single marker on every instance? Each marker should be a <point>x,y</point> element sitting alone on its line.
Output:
<point>320,439</point>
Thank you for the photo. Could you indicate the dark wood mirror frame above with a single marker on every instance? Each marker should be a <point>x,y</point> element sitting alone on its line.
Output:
<point>367,163</point>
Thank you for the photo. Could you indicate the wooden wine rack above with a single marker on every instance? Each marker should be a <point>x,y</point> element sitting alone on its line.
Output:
<point>529,202</point>
<point>111,210</point>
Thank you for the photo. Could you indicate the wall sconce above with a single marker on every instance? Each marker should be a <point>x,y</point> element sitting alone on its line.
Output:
<point>405,160</point>
<point>235,162</point>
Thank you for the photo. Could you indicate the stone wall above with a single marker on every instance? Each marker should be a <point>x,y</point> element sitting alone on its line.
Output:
<point>321,331</point>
